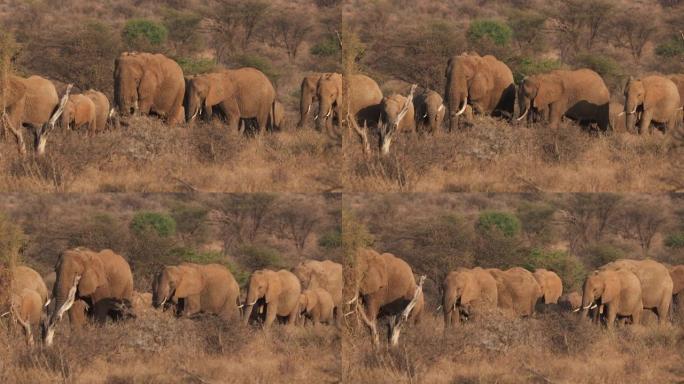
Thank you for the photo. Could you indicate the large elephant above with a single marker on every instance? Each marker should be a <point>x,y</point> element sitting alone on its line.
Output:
<point>580,95</point>
<point>385,286</point>
<point>466,291</point>
<point>79,111</point>
<point>655,98</point>
<point>324,274</point>
<point>396,115</point>
<point>149,83</point>
<point>316,305</point>
<point>429,111</point>
<point>679,82</point>
<point>617,291</point>
<point>551,285</point>
<point>329,95</point>
<point>278,291</point>
<point>308,96</point>
<point>83,274</point>
<point>656,283</point>
<point>28,295</point>
<point>517,290</point>
<point>29,102</point>
<point>242,93</point>
<point>677,275</point>
<point>194,288</point>
<point>485,83</point>
<point>364,105</point>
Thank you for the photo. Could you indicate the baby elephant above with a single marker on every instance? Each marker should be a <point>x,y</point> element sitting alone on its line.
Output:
<point>317,306</point>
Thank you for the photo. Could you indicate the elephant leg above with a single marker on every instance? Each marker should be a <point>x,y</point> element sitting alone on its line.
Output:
<point>664,309</point>
<point>645,123</point>
<point>14,125</point>
<point>192,306</point>
<point>231,109</point>
<point>362,132</point>
<point>271,313</point>
<point>555,116</point>
<point>370,315</point>
<point>611,315</point>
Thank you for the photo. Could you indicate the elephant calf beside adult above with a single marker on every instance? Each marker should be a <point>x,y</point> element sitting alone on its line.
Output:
<point>616,291</point>
<point>243,93</point>
<point>209,288</point>
<point>517,290</point>
<point>580,95</point>
<point>429,111</point>
<point>28,295</point>
<point>327,275</point>
<point>89,276</point>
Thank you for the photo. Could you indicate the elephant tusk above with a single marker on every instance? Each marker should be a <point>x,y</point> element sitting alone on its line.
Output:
<point>316,117</point>
<point>349,313</point>
<point>252,304</point>
<point>438,308</point>
<point>524,114</point>
<point>163,302</point>
<point>5,314</point>
<point>588,306</point>
<point>308,109</point>
<point>593,306</point>
<point>441,107</point>
<point>577,310</point>
<point>241,306</point>
<point>328,114</point>
<point>425,115</point>
<point>353,300</point>
<point>465,104</point>
<point>621,113</point>
<point>47,303</point>
<point>633,112</point>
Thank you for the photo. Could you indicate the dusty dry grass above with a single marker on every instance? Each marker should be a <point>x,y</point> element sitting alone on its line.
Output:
<point>155,348</point>
<point>150,156</point>
<point>550,348</point>
<point>492,155</point>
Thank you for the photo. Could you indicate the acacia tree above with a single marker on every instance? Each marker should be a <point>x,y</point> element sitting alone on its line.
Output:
<point>289,28</point>
<point>642,219</point>
<point>242,217</point>
<point>297,220</point>
<point>633,29</point>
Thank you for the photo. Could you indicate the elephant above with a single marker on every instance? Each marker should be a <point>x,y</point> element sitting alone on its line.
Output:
<point>364,105</point>
<point>209,288</point>
<point>656,283</point>
<point>28,296</point>
<point>308,96</point>
<point>618,121</point>
<point>655,98</point>
<point>147,83</point>
<point>483,82</point>
<point>465,291</point>
<point>324,274</point>
<point>517,290</point>
<point>83,274</point>
<point>102,108</point>
<point>550,284</point>
<point>236,93</point>
<point>29,102</point>
<point>580,95</point>
<point>279,119</point>
<point>385,286</point>
<point>677,275</point>
<point>617,291</point>
<point>429,111</point>
<point>79,111</point>
<point>329,95</point>
<point>395,86</point>
<point>316,305</point>
<point>396,115</point>
<point>277,291</point>
<point>570,301</point>
<point>679,82</point>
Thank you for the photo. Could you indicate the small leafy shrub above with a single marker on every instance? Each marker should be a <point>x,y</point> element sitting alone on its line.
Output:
<point>495,31</point>
<point>601,254</point>
<point>329,46</point>
<point>528,66</point>
<point>673,47</point>
<point>144,34</point>
<point>569,267</point>
<point>259,256</point>
<point>195,66</point>
<point>675,240</point>
<point>161,224</point>
<point>506,223</point>
<point>330,240</point>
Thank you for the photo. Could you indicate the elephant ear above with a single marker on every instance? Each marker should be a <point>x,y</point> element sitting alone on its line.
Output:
<point>550,90</point>
<point>611,288</point>
<point>190,281</point>
<point>471,292</point>
<point>218,91</point>
<point>94,275</point>
<point>274,288</point>
<point>311,301</point>
<point>480,85</point>
<point>148,84</point>
<point>375,277</point>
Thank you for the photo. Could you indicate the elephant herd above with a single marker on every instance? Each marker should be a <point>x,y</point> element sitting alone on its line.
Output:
<point>619,290</point>
<point>147,84</point>
<point>96,286</point>
<point>484,85</point>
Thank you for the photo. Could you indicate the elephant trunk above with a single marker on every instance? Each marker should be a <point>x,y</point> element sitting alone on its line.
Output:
<point>66,119</point>
<point>324,111</point>
<point>457,94</point>
<point>250,301</point>
<point>449,306</point>
<point>304,105</point>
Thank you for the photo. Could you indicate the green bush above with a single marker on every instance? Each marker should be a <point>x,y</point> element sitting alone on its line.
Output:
<point>506,223</point>
<point>259,62</point>
<point>673,47</point>
<point>536,220</point>
<point>259,256</point>
<point>605,66</point>
<point>144,34</point>
<point>525,26</point>
<point>492,30</point>
<point>159,223</point>
<point>190,255</point>
<point>675,240</point>
<point>183,30</point>
<point>330,240</point>
<point>569,267</point>
<point>528,66</point>
<point>330,46</point>
<point>602,254</point>
<point>195,66</point>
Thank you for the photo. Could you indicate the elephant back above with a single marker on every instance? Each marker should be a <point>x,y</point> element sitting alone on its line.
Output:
<point>26,278</point>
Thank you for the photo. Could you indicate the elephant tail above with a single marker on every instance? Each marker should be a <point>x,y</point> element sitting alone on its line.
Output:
<point>272,113</point>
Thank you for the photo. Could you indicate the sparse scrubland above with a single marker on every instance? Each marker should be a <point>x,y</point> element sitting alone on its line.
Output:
<point>243,232</point>
<point>571,234</point>
<point>412,41</point>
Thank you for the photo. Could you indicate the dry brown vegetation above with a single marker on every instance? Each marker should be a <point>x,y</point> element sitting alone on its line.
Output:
<point>243,232</point>
<point>568,233</point>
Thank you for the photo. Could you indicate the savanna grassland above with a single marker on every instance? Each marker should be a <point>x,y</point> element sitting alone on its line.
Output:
<point>77,42</point>
<point>412,41</point>
<point>242,232</point>
<point>571,234</point>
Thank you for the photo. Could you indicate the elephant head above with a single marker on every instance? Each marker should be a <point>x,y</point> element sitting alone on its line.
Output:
<point>305,272</point>
<point>129,80</point>
<point>307,97</point>
<point>68,113</point>
<point>463,77</point>
<point>329,94</point>
<point>537,92</point>
<point>460,290</point>
<point>262,284</point>
<point>550,284</point>
<point>202,93</point>
<point>635,94</point>
<point>307,301</point>
<point>80,272</point>
<point>176,282</point>
<point>600,286</point>
<point>371,273</point>
<point>394,109</point>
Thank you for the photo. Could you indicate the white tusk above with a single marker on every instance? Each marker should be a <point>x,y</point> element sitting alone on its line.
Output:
<point>524,114</point>
<point>255,301</point>
<point>577,310</point>
<point>240,306</point>
<point>438,308</point>
<point>47,303</point>
<point>328,114</point>
<point>163,301</point>
<point>308,109</point>
<point>633,112</point>
<point>349,313</point>
<point>316,117</point>
<point>5,314</point>
<point>441,107</point>
<point>353,300</point>
<point>465,104</point>
<point>195,115</point>
<point>425,115</point>
<point>588,306</point>
<point>621,113</point>
<point>593,306</point>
